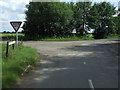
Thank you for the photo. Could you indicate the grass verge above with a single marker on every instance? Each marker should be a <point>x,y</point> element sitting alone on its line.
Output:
<point>15,63</point>
<point>113,37</point>
<point>74,38</point>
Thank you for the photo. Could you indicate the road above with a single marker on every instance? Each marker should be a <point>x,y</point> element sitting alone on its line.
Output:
<point>74,64</point>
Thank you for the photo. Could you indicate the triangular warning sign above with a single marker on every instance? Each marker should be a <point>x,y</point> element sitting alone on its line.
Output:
<point>16,25</point>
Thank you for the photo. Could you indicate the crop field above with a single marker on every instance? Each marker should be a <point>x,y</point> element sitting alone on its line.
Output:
<point>11,36</point>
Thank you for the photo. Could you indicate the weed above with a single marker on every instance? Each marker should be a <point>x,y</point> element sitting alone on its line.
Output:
<point>15,63</point>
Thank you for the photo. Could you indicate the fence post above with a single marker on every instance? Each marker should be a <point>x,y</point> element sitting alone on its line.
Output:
<point>7,47</point>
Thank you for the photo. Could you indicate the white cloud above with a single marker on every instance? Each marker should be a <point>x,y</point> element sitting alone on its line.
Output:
<point>4,4</point>
<point>19,1</point>
<point>105,0</point>
<point>12,10</point>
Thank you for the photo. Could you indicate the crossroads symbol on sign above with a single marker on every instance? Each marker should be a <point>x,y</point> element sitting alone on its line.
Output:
<point>16,25</point>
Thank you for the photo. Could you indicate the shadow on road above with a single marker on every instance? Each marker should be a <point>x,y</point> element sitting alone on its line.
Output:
<point>109,48</point>
<point>98,62</point>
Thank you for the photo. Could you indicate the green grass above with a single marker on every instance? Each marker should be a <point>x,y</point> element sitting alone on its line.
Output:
<point>74,38</point>
<point>10,36</point>
<point>113,37</point>
<point>0,65</point>
<point>15,63</point>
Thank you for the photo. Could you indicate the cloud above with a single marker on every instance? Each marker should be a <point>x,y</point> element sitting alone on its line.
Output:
<point>11,10</point>
<point>4,4</point>
<point>105,0</point>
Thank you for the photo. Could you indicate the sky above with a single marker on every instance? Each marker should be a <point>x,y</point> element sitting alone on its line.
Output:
<point>13,10</point>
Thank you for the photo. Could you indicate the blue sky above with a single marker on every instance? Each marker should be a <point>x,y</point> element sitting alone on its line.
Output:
<point>13,10</point>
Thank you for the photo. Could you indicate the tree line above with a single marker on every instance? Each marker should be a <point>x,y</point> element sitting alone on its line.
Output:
<point>58,19</point>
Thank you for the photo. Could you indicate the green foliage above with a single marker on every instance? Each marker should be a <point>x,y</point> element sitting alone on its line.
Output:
<point>47,19</point>
<point>76,38</point>
<point>116,21</point>
<point>15,63</point>
<point>81,12</point>
<point>101,19</point>
<point>113,37</point>
<point>58,19</point>
<point>71,38</point>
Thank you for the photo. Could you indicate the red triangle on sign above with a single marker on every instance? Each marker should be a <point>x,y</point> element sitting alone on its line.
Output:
<point>16,25</point>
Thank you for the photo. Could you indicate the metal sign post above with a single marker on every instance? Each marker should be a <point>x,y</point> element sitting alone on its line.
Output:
<point>16,26</point>
<point>17,38</point>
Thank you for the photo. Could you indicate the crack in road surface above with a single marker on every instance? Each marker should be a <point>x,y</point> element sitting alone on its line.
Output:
<point>74,64</point>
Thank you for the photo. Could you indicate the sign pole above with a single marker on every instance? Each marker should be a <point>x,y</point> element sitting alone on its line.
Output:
<point>17,38</point>
<point>16,26</point>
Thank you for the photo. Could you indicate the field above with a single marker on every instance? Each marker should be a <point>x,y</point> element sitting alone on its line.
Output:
<point>11,36</point>
<point>72,38</point>
<point>6,35</point>
<point>16,62</point>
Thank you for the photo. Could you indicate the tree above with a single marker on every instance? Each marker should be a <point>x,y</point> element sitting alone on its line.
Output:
<point>117,21</point>
<point>47,19</point>
<point>81,12</point>
<point>100,19</point>
<point>4,32</point>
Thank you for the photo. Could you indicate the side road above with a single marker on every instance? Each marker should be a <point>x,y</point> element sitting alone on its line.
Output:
<point>74,64</point>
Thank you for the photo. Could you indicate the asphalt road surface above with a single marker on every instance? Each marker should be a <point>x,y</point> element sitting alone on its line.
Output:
<point>74,64</point>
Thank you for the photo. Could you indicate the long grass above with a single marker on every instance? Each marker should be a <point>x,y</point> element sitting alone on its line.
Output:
<point>76,38</point>
<point>11,34</point>
<point>0,66</point>
<point>73,38</point>
<point>15,63</point>
<point>113,37</point>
